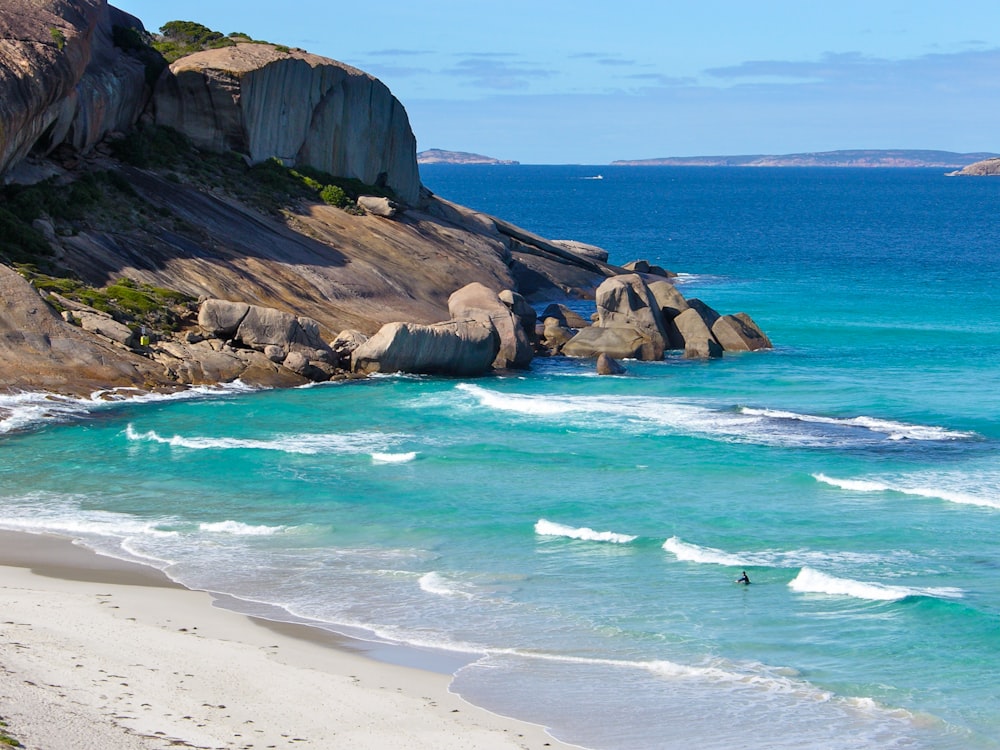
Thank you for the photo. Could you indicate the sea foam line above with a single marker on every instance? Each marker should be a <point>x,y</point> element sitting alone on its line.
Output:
<point>20,411</point>
<point>894,430</point>
<point>744,424</point>
<point>796,558</point>
<point>937,493</point>
<point>238,528</point>
<point>352,442</point>
<point>815,582</point>
<point>548,528</point>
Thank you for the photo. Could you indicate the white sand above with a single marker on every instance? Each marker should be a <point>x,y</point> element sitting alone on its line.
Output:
<point>121,661</point>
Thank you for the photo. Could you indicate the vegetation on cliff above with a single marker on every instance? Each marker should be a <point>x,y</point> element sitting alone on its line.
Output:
<point>101,201</point>
<point>178,39</point>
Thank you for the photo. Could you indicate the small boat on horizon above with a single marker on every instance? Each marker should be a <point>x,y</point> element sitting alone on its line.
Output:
<point>595,177</point>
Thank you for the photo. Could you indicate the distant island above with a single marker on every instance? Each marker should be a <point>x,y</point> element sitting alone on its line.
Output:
<point>848,158</point>
<point>439,156</point>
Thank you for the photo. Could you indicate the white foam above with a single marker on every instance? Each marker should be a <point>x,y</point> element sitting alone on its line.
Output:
<point>237,528</point>
<point>352,442</point>
<point>548,528</point>
<point>988,499</point>
<point>748,425</point>
<point>813,581</point>
<point>393,458</point>
<point>43,513</point>
<point>694,553</point>
<point>894,430</point>
<point>437,584</point>
<point>19,411</point>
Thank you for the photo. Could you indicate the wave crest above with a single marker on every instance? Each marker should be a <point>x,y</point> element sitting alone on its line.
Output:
<point>548,528</point>
<point>815,582</point>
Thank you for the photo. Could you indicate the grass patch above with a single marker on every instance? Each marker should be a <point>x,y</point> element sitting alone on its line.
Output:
<point>126,300</point>
<point>5,739</point>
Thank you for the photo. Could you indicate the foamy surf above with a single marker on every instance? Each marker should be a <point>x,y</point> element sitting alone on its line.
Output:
<point>393,458</point>
<point>932,491</point>
<point>814,582</point>
<point>548,528</point>
<point>891,429</point>
<point>439,585</point>
<point>660,415</point>
<point>352,442</point>
<point>236,528</point>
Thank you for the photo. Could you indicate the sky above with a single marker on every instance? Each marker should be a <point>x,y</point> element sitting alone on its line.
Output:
<point>586,82</point>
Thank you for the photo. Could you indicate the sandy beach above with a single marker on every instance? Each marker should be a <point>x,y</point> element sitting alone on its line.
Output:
<point>104,654</point>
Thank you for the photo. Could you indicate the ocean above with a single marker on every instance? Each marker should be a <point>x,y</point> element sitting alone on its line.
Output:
<point>573,540</point>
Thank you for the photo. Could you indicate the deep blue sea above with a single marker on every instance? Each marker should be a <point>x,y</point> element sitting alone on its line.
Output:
<point>576,538</point>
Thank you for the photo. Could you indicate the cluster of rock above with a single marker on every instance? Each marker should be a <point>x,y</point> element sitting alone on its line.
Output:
<point>490,330</point>
<point>640,319</point>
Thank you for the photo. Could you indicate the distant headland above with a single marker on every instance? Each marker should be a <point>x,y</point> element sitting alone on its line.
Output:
<point>440,156</point>
<point>845,158</point>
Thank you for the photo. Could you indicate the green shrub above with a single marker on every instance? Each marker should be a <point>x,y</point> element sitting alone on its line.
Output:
<point>181,38</point>
<point>335,196</point>
<point>58,37</point>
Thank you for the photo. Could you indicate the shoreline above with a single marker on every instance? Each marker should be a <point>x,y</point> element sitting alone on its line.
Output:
<point>101,652</point>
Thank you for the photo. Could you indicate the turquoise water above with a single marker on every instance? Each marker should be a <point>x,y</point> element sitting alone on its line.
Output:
<point>577,537</point>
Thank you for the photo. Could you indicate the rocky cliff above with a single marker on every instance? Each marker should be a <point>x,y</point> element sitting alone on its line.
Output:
<point>62,79</point>
<point>265,102</point>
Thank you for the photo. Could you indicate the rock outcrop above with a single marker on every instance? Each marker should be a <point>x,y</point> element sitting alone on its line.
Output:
<point>637,320</point>
<point>62,80</point>
<point>462,348</point>
<point>628,321</point>
<point>300,108</point>
<point>984,168</point>
<point>41,351</point>
<point>478,302</point>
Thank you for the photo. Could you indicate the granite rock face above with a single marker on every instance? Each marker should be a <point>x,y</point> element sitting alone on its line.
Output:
<point>476,301</point>
<point>459,347</point>
<point>293,106</point>
<point>62,80</point>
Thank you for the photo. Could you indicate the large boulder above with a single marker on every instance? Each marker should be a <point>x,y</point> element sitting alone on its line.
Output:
<point>294,106</point>
<point>221,318</point>
<point>699,343</point>
<point>739,333</point>
<point>626,302</point>
<point>671,304</point>
<point>620,343</point>
<point>608,365</point>
<point>459,347</point>
<point>476,301</point>
<point>564,316</point>
<point>62,80</point>
<point>260,327</point>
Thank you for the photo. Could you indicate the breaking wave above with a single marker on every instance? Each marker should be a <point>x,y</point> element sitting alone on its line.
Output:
<point>548,528</point>
<point>815,582</point>
<point>742,424</point>
<point>932,489</point>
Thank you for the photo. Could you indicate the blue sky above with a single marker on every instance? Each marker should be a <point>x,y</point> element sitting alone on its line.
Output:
<point>557,82</point>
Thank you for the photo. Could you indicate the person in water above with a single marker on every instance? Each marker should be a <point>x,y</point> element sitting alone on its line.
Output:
<point>744,579</point>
